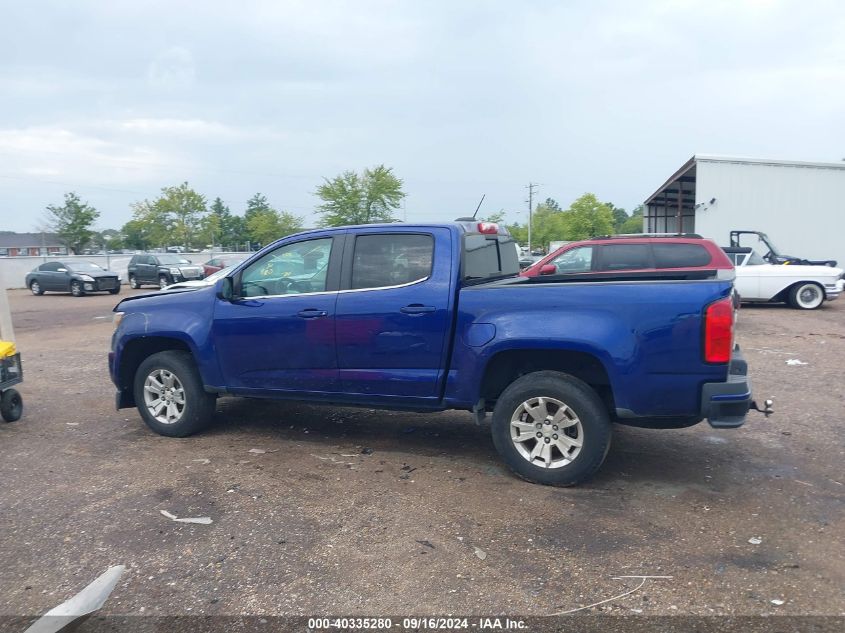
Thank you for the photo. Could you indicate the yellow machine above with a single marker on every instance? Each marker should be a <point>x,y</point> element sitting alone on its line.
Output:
<point>11,373</point>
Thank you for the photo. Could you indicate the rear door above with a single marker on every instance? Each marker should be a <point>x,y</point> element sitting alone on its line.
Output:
<point>147,268</point>
<point>393,313</point>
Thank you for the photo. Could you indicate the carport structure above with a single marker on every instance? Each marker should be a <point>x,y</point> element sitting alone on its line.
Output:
<point>671,209</point>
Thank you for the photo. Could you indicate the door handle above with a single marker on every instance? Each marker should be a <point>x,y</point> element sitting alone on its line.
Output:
<point>312,313</point>
<point>417,308</point>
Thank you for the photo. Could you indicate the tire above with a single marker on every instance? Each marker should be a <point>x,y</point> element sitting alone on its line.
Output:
<point>175,419</point>
<point>114,291</point>
<point>11,405</point>
<point>582,416</point>
<point>36,288</point>
<point>76,288</point>
<point>162,282</point>
<point>806,295</point>
<point>133,282</point>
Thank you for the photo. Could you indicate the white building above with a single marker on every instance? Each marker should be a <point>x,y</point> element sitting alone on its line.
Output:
<point>800,205</point>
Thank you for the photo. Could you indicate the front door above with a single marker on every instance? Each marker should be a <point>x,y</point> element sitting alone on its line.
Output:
<point>278,334</point>
<point>393,314</point>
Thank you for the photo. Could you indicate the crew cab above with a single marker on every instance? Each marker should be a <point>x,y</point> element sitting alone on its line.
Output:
<point>436,317</point>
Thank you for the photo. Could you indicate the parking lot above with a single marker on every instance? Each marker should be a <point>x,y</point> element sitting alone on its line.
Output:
<point>355,511</point>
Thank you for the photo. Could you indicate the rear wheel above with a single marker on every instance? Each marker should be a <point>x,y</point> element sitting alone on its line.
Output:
<point>133,282</point>
<point>551,428</point>
<point>36,288</point>
<point>806,296</point>
<point>76,288</point>
<point>170,396</point>
<point>11,405</point>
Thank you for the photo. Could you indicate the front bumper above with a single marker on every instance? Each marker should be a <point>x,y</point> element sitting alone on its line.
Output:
<point>725,404</point>
<point>832,291</point>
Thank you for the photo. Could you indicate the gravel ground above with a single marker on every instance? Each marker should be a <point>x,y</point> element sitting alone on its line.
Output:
<point>366,512</point>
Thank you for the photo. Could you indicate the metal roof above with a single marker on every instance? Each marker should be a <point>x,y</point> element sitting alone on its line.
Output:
<point>687,173</point>
<point>716,158</point>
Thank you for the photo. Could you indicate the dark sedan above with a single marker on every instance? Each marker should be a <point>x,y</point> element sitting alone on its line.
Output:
<point>76,277</point>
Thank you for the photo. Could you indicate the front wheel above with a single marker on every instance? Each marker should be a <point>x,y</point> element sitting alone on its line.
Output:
<point>114,291</point>
<point>76,288</point>
<point>162,282</point>
<point>806,296</point>
<point>36,288</point>
<point>170,396</point>
<point>11,405</point>
<point>551,428</point>
<point>133,282</point>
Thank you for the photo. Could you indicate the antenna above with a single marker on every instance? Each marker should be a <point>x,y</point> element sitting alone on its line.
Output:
<point>483,195</point>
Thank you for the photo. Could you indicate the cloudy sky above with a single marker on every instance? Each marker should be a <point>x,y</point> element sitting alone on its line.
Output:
<point>117,99</point>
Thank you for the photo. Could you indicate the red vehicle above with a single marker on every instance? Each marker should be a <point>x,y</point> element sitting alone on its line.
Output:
<point>221,262</point>
<point>646,253</point>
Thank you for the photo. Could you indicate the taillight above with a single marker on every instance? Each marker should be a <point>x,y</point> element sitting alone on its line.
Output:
<point>718,331</point>
<point>488,228</point>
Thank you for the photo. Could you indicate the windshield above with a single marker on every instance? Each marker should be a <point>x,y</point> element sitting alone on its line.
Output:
<point>172,259</point>
<point>80,267</point>
<point>754,259</point>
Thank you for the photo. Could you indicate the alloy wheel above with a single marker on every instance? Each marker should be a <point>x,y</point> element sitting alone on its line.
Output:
<point>546,432</point>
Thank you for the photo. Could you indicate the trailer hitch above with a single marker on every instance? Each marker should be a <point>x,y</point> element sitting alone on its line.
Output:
<point>767,407</point>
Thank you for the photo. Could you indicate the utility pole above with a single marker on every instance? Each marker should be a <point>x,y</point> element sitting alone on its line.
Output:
<point>531,186</point>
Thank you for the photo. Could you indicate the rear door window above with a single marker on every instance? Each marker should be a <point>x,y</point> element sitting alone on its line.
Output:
<point>385,260</point>
<point>680,255</point>
<point>625,257</point>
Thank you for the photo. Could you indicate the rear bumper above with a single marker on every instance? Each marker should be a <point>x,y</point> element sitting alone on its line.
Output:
<point>725,404</point>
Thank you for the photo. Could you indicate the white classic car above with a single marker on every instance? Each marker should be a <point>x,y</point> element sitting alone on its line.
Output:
<point>804,287</point>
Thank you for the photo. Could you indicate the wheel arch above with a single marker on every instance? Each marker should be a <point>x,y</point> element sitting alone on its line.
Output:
<point>135,352</point>
<point>507,365</point>
<point>783,295</point>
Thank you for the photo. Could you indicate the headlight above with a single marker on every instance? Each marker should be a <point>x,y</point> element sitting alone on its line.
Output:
<point>175,271</point>
<point>117,318</point>
<point>86,277</point>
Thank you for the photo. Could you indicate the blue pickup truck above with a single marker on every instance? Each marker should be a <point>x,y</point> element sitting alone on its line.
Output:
<point>435,317</point>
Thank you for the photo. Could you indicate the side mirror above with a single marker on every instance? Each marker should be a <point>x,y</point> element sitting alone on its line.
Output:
<point>226,289</point>
<point>548,269</point>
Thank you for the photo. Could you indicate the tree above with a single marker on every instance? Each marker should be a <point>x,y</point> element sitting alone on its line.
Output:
<point>111,239</point>
<point>148,226</point>
<point>221,227</point>
<point>184,208</point>
<point>72,222</point>
<point>360,199</point>
<point>136,235</point>
<point>620,216</point>
<point>587,217</point>
<point>264,224</point>
<point>496,218</point>
<point>174,218</point>
<point>633,224</point>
